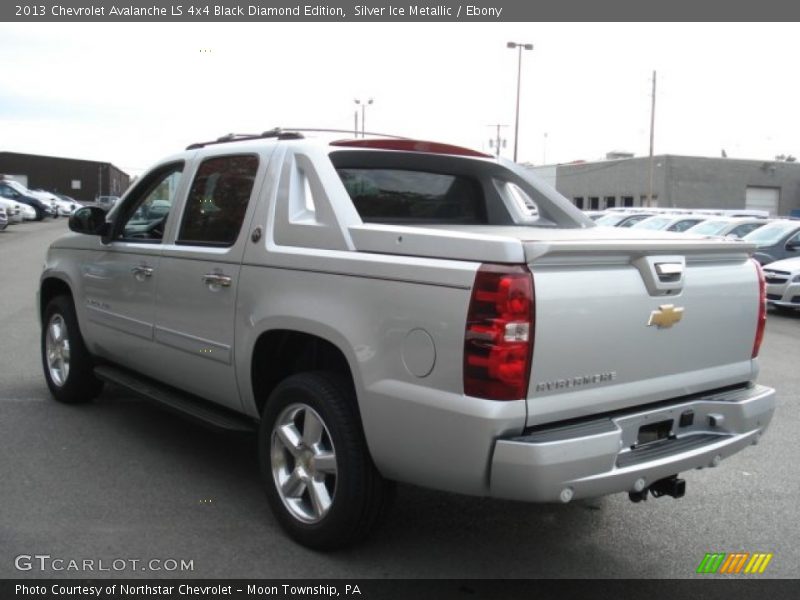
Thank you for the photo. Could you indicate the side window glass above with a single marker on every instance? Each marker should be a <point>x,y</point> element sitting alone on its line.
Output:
<point>144,218</point>
<point>218,200</point>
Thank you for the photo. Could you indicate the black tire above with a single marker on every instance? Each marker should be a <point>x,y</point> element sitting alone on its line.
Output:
<point>357,493</point>
<point>76,383</point>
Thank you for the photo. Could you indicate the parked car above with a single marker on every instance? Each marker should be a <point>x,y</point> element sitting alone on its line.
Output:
<point>16,211</point>
<point>50,199</point>
<point>783,283</point>
<point>776,240</point>
<point>733,227</point>
<point>7,190</point>
<point>667,222</point>
<point>370,307</point>
<point>46,198</point>
<point>3,218</point>
<point>622,219</point>
<point>66,206</point>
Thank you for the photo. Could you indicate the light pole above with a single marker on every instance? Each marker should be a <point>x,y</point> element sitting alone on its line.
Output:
<point>363,115</point>
<point>544,149</point>
<point>520,47</point>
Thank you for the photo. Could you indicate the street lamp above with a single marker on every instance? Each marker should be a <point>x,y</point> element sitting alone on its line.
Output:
<point>363,115</point>
<point>520,47</point>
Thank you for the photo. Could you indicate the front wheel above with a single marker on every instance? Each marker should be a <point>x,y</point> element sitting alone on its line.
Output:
<point>68,366</point>
<point>321,483</point>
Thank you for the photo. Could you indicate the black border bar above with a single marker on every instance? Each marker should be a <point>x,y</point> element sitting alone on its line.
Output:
<point>465,11</point>
<point>706,588</point>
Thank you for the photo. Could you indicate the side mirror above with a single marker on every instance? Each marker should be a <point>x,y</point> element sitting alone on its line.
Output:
<point>793,246</point>
<point>89,220</point>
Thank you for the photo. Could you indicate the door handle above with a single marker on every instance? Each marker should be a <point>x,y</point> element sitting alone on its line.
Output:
<point>217,279</point>
<point>142,271</point>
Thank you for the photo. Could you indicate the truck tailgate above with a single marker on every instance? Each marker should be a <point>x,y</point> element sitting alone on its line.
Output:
<point>623,323</point>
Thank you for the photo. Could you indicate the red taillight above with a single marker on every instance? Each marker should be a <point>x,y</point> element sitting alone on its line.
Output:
<point>762,309</point>
<point>498,341</point>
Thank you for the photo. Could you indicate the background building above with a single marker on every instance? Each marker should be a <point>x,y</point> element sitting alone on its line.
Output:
<point>84,180</point>
<point>680,182</point>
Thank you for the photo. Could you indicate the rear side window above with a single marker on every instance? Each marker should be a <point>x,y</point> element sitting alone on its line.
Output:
<point>218,200</point>
<point>408,196</point>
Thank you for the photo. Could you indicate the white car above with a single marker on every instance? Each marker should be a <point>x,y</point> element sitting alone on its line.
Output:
<point>622,219</point>
<point>64,205</point>
<point>727,227</point>
<point>783,283</point>
<point>16,211</point>
<point>45,198</point>
<point>668,222</point>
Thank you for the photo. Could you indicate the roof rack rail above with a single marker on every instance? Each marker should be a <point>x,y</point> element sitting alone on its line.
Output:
<point>282,133</point>
<point>276,132</point>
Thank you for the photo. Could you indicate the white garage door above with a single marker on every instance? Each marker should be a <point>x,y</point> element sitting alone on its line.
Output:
<point>763,198</point>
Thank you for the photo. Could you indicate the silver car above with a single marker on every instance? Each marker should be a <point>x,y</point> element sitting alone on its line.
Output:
<point>783,283</point>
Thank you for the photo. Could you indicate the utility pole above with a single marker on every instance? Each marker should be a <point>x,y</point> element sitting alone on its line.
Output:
<point>355,128</point>
<point>652,137</point>
<point>498,141</point>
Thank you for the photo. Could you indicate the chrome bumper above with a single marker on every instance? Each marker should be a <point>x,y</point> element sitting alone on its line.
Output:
<point>601,456</point>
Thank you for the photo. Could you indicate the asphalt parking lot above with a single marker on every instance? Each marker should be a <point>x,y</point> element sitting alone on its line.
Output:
<point>121,479</point>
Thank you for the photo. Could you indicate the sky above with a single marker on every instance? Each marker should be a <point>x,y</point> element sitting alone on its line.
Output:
<point>132,93</point>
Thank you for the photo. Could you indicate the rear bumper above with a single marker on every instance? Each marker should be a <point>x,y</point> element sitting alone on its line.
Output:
<point>600,457</point>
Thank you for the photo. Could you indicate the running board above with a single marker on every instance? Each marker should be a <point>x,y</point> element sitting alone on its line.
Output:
<point>175,400</point>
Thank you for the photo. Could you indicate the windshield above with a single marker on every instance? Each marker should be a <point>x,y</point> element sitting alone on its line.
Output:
<point>770,234</point>
<point>17,186</point>
<point>709,228</point>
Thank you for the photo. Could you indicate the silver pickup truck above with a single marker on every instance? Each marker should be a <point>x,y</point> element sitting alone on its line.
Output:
<point>385,310</point>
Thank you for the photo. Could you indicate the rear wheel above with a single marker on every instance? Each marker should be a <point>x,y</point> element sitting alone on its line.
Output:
<point>68,366</point>
<point>321,483</point>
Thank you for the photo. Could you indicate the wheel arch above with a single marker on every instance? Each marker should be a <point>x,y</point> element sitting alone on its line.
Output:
<point>49,288</point>
<point>281,352</point>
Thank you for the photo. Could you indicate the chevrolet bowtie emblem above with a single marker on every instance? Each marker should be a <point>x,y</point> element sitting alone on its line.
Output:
<point>666,316</point>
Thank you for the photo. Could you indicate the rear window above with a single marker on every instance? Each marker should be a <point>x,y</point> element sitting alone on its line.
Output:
<point>410,196</point>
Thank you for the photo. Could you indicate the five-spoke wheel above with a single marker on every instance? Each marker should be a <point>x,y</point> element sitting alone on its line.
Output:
<point>320,480</point>
<point>68,365</point>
